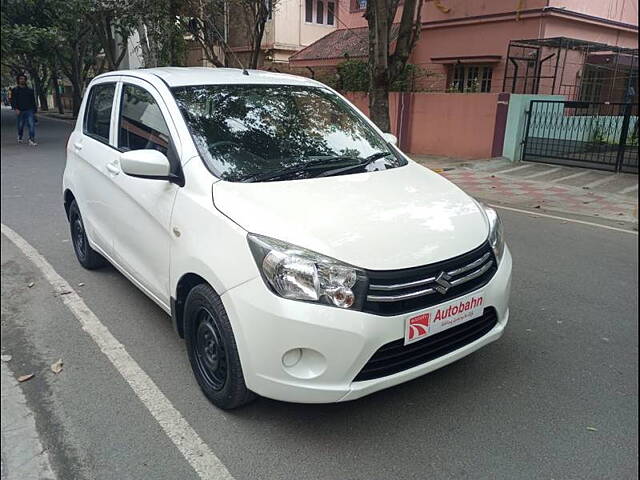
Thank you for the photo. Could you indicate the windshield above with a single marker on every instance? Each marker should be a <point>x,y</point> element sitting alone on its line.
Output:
<point>255,132</point>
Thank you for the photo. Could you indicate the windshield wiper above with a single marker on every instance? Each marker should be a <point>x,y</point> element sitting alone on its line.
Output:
<point>318,163</point>
<point>282,172</point>
<point>361,164</point>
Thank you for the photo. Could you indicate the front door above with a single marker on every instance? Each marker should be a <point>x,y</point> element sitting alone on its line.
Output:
<point>94,154</point>
<point>142,238</point>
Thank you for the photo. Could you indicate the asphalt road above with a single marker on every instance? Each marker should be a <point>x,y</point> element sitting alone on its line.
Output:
<point>555,398</point>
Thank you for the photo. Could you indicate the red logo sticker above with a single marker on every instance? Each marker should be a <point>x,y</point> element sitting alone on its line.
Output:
<point>418,326</point>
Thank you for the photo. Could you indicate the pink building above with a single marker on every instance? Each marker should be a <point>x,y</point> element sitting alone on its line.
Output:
<point>470,45</point>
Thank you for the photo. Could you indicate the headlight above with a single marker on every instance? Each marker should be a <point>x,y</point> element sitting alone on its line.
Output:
<point>299,274</point>
<point>496,233</point>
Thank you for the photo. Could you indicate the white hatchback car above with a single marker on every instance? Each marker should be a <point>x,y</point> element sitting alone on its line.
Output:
<point>301,255</point>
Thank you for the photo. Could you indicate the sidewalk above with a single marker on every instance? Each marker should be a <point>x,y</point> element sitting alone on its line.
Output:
<point>23,457</point>
<point>542,187</point>
<point>54,114</point>
<point>57,116</point>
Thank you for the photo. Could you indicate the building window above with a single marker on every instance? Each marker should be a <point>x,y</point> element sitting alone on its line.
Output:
<point>323,11</point>
<point>308,14</point>
<point>485,84</point>
<point>471,78</point>
<point>593,80</point>
<point>358,4</point>
<point>331,9</point>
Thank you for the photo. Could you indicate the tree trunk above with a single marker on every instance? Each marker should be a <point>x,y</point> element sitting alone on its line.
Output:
<point>258,33</point>
<point>211,57</point>
<point>114,43</point>
<point>255,58</point>
<point>40,89</point>
<point>175,36</point>
<point>76,81</point>
<point>56,93</point>
<point>44,103</point>
<point>76,98</point>
<point>379,107</point>
<point>379,30</point>
<point>383,67</point>
<point>149,56</point>
<point>102,27</point>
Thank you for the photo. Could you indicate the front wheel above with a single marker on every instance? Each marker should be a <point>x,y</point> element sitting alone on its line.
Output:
<point>212,349</point>
<point>87,256</point>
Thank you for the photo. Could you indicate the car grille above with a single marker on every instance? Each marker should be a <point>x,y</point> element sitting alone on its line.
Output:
<point>395,357</point>
<point>393,292</point>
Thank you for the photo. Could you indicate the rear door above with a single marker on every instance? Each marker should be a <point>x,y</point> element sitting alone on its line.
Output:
<point>143,206</point>
<point>95,154</point>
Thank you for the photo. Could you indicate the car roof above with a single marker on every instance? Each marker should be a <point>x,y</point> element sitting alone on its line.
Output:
<point>183,76</point>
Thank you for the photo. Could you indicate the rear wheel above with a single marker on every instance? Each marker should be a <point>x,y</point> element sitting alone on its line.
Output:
<point>87,256</point>
<point>212,349</point>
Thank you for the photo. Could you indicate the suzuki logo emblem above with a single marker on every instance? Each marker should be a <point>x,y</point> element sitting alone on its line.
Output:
<point>443,284</point>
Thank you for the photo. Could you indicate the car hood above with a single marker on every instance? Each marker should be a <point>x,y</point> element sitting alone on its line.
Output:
<point>398,218</point>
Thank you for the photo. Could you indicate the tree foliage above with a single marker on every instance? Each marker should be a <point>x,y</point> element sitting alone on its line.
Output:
<point>112,23</point>
<point>27,38</point>
<point>255,14</point>
<point>354,77</point>
<point>77,46</point>
<point>82,38</point>
<point>204,20</point>
<point>160,30</point>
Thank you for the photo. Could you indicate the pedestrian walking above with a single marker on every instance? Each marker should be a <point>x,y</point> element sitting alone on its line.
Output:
<point>23,101</point>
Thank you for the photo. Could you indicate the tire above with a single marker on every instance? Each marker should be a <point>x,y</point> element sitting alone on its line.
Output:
<point>87,256</point>
<point>212,349</point>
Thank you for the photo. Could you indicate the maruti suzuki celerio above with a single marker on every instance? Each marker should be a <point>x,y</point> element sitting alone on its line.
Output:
<point>299,252</point>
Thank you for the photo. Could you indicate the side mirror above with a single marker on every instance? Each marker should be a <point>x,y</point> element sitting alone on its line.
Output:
<point>390,138</point>
<point>145,164</point>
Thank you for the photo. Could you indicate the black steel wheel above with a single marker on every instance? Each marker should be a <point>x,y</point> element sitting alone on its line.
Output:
<point>87,256</point>
<point>211,356</point>
<point>212,350</point>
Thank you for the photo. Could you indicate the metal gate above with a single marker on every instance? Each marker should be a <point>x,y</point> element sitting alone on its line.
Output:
<point>603,136</point>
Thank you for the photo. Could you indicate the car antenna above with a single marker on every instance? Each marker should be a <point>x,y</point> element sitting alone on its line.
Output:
<point>226,45</point>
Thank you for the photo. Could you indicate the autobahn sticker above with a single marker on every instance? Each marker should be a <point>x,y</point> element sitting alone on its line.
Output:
<point>442,317</point>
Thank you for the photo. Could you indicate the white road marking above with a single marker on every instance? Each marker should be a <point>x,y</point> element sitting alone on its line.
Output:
<point>629,189</point>
<point>185,438</point>
<point>540,174</point>
<point>570,220</point>
<point>601,181</point>
<point>573,175</point>
<point>513,169</point>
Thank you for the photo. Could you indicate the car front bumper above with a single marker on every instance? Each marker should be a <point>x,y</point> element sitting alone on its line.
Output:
<point>330,345</point>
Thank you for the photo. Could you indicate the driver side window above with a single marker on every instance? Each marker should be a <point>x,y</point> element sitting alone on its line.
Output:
<point>141,124</point>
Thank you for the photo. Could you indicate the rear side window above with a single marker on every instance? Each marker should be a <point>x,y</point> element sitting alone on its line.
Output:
<point>141,124</point>
<point>97,120</point>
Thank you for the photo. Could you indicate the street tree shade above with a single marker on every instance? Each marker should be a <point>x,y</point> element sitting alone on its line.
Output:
<point>26,45</point>
<point>211,22</point>
<point>386,66</point>
<point>205,21</point>
<point>45,37</point>
<point>255,14</point>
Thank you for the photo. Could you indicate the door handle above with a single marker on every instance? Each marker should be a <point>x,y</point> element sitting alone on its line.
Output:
<point>114,169</point>
<point>77,146</point>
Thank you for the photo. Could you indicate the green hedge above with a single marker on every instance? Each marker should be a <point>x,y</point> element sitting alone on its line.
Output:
<point>354,77</point>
